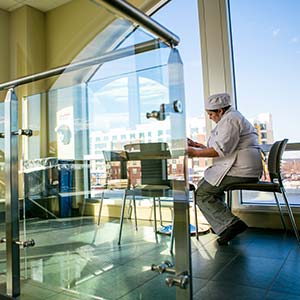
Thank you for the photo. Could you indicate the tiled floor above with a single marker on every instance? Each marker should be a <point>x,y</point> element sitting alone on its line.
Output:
<point>74,259</point>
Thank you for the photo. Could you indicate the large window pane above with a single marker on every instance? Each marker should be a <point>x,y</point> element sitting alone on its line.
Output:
<point>266,46</point>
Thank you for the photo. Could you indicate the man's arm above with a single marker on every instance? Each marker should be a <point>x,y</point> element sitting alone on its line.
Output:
<point>206,152</point>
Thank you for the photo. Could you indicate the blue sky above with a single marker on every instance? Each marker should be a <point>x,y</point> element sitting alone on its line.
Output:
<point>266,43</point>
<point>267,59</point>
<point>180,18</point>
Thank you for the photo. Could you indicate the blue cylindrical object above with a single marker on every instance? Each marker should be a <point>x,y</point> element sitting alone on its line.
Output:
<point>66,172</point>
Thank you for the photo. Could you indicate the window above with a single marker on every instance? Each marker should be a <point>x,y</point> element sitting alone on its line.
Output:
<point>267,68</point>
<point>263,127</point>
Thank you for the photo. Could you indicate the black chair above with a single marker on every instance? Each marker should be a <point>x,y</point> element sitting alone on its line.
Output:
<point>154,177</point>
<point>275,185</point>
<point>116,179</point>
<point>154,181</point>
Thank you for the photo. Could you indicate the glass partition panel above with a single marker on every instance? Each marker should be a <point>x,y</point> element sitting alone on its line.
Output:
<point>107,146</point>
<point>101,172</point>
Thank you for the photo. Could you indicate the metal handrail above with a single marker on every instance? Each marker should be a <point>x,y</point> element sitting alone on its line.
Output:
<point>140,18</point>
<point>106,57</point>
<point>130,12</point>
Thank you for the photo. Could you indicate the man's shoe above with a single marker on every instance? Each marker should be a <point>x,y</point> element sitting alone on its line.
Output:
<point>231,232</point>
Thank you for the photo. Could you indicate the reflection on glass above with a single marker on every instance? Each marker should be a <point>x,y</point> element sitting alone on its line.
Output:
<point>66,172</point>
<point>118,106</point>
<point>75,117</point>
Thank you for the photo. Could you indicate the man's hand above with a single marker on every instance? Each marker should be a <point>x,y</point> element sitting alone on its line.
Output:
<point>192,143</point>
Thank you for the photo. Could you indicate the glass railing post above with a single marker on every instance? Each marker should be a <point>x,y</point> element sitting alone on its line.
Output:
<point>180,194</point>
<point>11,194</point>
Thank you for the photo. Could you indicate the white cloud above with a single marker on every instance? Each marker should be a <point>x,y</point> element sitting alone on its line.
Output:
<point>294,40</point>
<point>275,32</point>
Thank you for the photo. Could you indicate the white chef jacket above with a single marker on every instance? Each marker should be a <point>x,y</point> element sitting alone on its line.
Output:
<point>236,142</point>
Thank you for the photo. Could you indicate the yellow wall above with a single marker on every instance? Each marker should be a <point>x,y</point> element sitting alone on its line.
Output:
<point>33,41</point>
<point>4,49</point>
<point>70,27</point>
<point>27,45</point>
<point>66,37</point>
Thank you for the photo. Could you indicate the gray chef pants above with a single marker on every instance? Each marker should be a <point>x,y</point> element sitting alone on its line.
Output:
<point>211,201</point>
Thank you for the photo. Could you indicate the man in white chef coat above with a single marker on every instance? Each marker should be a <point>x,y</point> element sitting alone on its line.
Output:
<point>233,145</point>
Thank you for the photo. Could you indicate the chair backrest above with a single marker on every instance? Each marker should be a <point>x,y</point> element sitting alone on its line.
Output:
<point>116,156</point>
<point>274,160</point>
<point>153,158</point>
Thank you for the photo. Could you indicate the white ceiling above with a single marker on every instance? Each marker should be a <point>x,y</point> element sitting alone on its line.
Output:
<point>42,5</point>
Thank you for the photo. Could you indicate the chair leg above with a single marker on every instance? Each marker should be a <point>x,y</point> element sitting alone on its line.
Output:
<point>154,213</point>
<point>129,209</point>
<point>122,217</point>
<point>160,214</point>
<point>172,235</point>
<point>280,211</point>
<point>100,208</point>
<point>134,209</point>
<point>229,199</point>
<point>294,225</point>
<point>83,207</point>
<point>196,218</point>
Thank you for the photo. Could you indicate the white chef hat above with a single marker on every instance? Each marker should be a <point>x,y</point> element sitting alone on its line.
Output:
<point>217,101</point>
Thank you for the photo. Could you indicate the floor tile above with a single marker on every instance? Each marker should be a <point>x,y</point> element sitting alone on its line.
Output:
<point>123,279</point>
<point>152,290</point>
<point>268,247</point>
<point>31,290</point>
<point>250,271</point>
<point>205,266</point>
<point>294,254</point>
<point>281,296</point>
<point>288,278</point>
<point>198,284</point>
<point>228,291</point>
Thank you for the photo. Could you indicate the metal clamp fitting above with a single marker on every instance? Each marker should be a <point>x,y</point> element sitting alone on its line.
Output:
<point>27,132</point>
<point>26,244</point>
<point>180,280</point>
<point>164,267</point>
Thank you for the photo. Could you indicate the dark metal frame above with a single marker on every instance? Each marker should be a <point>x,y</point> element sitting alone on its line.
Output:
<point>11,195</point>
